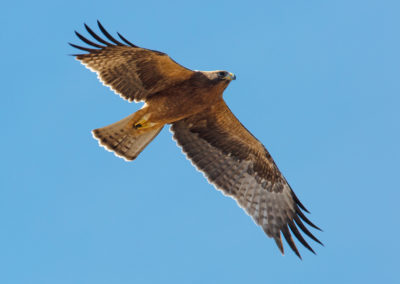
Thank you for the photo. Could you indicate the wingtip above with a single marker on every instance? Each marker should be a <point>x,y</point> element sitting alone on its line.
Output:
<point>298,202</point>
<point>108,35</point>
<point>125,40</point>
<point>95,36</point>
<point>297,253</point>
<point>299,237</point>
<point>99,24</point>
<point>304,229</point>
<point>278,241</point>
<point>71,44</point>
<point>305,219</point>
<point>290,241</point>
<point>83,48</point>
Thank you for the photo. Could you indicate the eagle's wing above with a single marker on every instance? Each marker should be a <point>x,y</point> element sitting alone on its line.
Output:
<point>132,72</point>
<point>239,165</point>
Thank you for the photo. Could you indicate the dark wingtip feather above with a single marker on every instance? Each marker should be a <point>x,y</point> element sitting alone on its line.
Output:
<point>85,40</point>
<point>95,36</point>
<point>278,242</point>
<point>305,230</point>
<point>296,232</point>
<point>297,200</point>
<point>305,219</point>
<point>289,239</point>
<point>126,41</point>
<point>110,37</point>
<point>82,48</point>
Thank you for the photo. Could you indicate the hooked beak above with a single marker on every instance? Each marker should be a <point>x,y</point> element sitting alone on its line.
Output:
<point>231,76</point>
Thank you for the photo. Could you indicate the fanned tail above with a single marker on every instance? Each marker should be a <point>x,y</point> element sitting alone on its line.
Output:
<point>124,139</point>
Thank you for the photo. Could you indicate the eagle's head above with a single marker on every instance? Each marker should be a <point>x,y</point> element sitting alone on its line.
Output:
<point>219,76</point>
<point>218,79</point>
<point>225,75</point>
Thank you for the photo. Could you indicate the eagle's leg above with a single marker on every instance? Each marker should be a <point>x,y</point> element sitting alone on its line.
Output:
<point>144,123</point>
<point>140,121</point>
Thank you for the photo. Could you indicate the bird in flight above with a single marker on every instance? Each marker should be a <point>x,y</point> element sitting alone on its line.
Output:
<point>230,157</point>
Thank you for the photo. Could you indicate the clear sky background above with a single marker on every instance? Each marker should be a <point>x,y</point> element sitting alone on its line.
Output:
<point>317,82</point>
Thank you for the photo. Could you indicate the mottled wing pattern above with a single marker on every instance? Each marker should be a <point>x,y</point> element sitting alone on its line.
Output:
<point>239,165</point>
<point>132,72</point>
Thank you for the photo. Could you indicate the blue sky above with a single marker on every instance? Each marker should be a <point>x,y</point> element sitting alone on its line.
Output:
<point>317,83</point>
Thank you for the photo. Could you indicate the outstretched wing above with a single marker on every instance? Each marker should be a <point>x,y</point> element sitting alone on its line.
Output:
<point>239,165</point>
<point>132,72</point>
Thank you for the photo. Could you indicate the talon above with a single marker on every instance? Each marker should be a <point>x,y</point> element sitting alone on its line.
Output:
<point>142,124</point>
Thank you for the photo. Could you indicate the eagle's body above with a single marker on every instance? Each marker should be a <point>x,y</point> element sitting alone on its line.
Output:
<point>211,136</point>
<point>198,92</point>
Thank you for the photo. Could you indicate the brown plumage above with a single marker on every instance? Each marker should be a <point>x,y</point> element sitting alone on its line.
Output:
<point>231,158</point>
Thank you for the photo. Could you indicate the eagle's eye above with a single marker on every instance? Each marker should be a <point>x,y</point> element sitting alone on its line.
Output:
<point>222,74</point>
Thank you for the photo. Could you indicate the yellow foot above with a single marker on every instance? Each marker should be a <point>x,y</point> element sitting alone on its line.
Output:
<point>143,123</point>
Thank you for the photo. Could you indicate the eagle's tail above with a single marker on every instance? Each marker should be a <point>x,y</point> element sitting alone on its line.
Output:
<point>126,138</point>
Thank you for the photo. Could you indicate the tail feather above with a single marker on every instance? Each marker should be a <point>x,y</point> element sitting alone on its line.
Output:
<point>123,139</point>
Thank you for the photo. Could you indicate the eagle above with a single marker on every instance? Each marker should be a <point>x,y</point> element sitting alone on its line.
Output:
<point>210,135</point>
